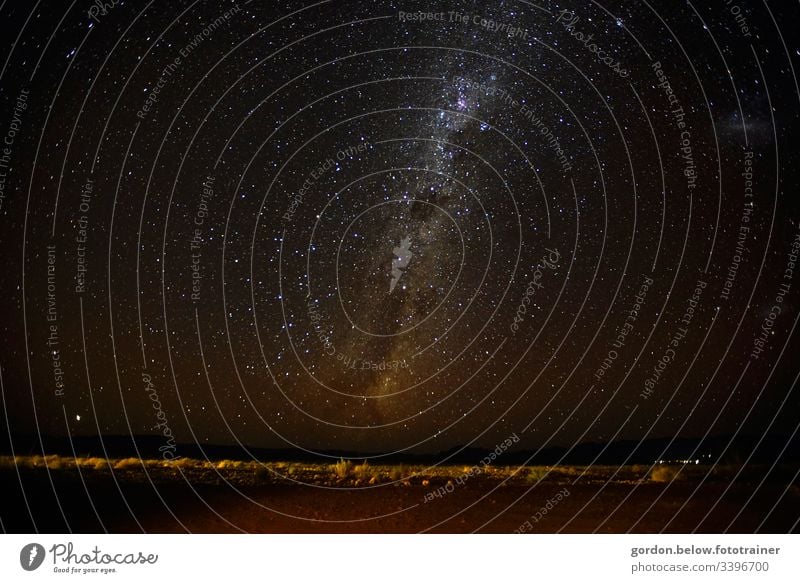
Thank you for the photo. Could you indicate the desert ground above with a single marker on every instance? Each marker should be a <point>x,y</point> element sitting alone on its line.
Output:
<point>131,495</point>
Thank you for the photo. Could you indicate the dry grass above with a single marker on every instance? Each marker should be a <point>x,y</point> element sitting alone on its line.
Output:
<point>128,463</point>
<point>229,465</point>
<point>363,471</point>
<point>342,468</point>
<point>188,463</point>
<point>397,472</point>
<point>664,473</point>
<point>535,474</point>
<point>94,463</point>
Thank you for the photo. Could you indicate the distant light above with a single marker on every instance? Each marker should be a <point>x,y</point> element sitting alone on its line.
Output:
<point>77,417</point>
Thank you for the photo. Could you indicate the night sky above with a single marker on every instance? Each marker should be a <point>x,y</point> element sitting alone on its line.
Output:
<point>346,226</point>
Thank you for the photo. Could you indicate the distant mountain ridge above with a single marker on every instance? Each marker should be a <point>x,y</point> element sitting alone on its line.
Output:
<point>718,449</point>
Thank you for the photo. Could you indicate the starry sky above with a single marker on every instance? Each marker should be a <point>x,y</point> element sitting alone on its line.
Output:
<point>357,226</point>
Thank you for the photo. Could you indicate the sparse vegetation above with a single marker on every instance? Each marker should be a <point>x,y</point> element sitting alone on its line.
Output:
<point>342,468</point>
<point>363,471</point>
<point>229,465</point>
<point>639,472</point>
<point>188,463</point>
<point>537,473</point>
<point>397,472</point>
<point>664,473</point>
<point>128,463</point>
<point>347,472</point>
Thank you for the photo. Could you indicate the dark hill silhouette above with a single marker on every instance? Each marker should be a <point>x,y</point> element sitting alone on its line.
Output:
<point>718,449</point>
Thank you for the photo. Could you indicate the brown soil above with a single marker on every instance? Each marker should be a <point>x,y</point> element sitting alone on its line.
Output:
<point>96,503</point>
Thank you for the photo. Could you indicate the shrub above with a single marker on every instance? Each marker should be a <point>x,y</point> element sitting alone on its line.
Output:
<point>343,467</point>
<point>537,473</point>
<point>664,473</point>
<point>128,463</point>
<point>187,463</point>
<point>95,463</point>
<point>362,471</point>
<point>54,460</point>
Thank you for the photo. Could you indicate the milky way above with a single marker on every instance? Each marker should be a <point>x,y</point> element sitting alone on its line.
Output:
<point>356,226</point>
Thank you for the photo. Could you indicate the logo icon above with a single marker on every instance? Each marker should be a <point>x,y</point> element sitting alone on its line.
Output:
<point>402,255</point>
<point>31,556</point>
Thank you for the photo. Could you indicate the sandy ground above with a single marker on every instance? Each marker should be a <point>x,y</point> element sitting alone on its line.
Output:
<point>95,502</point>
